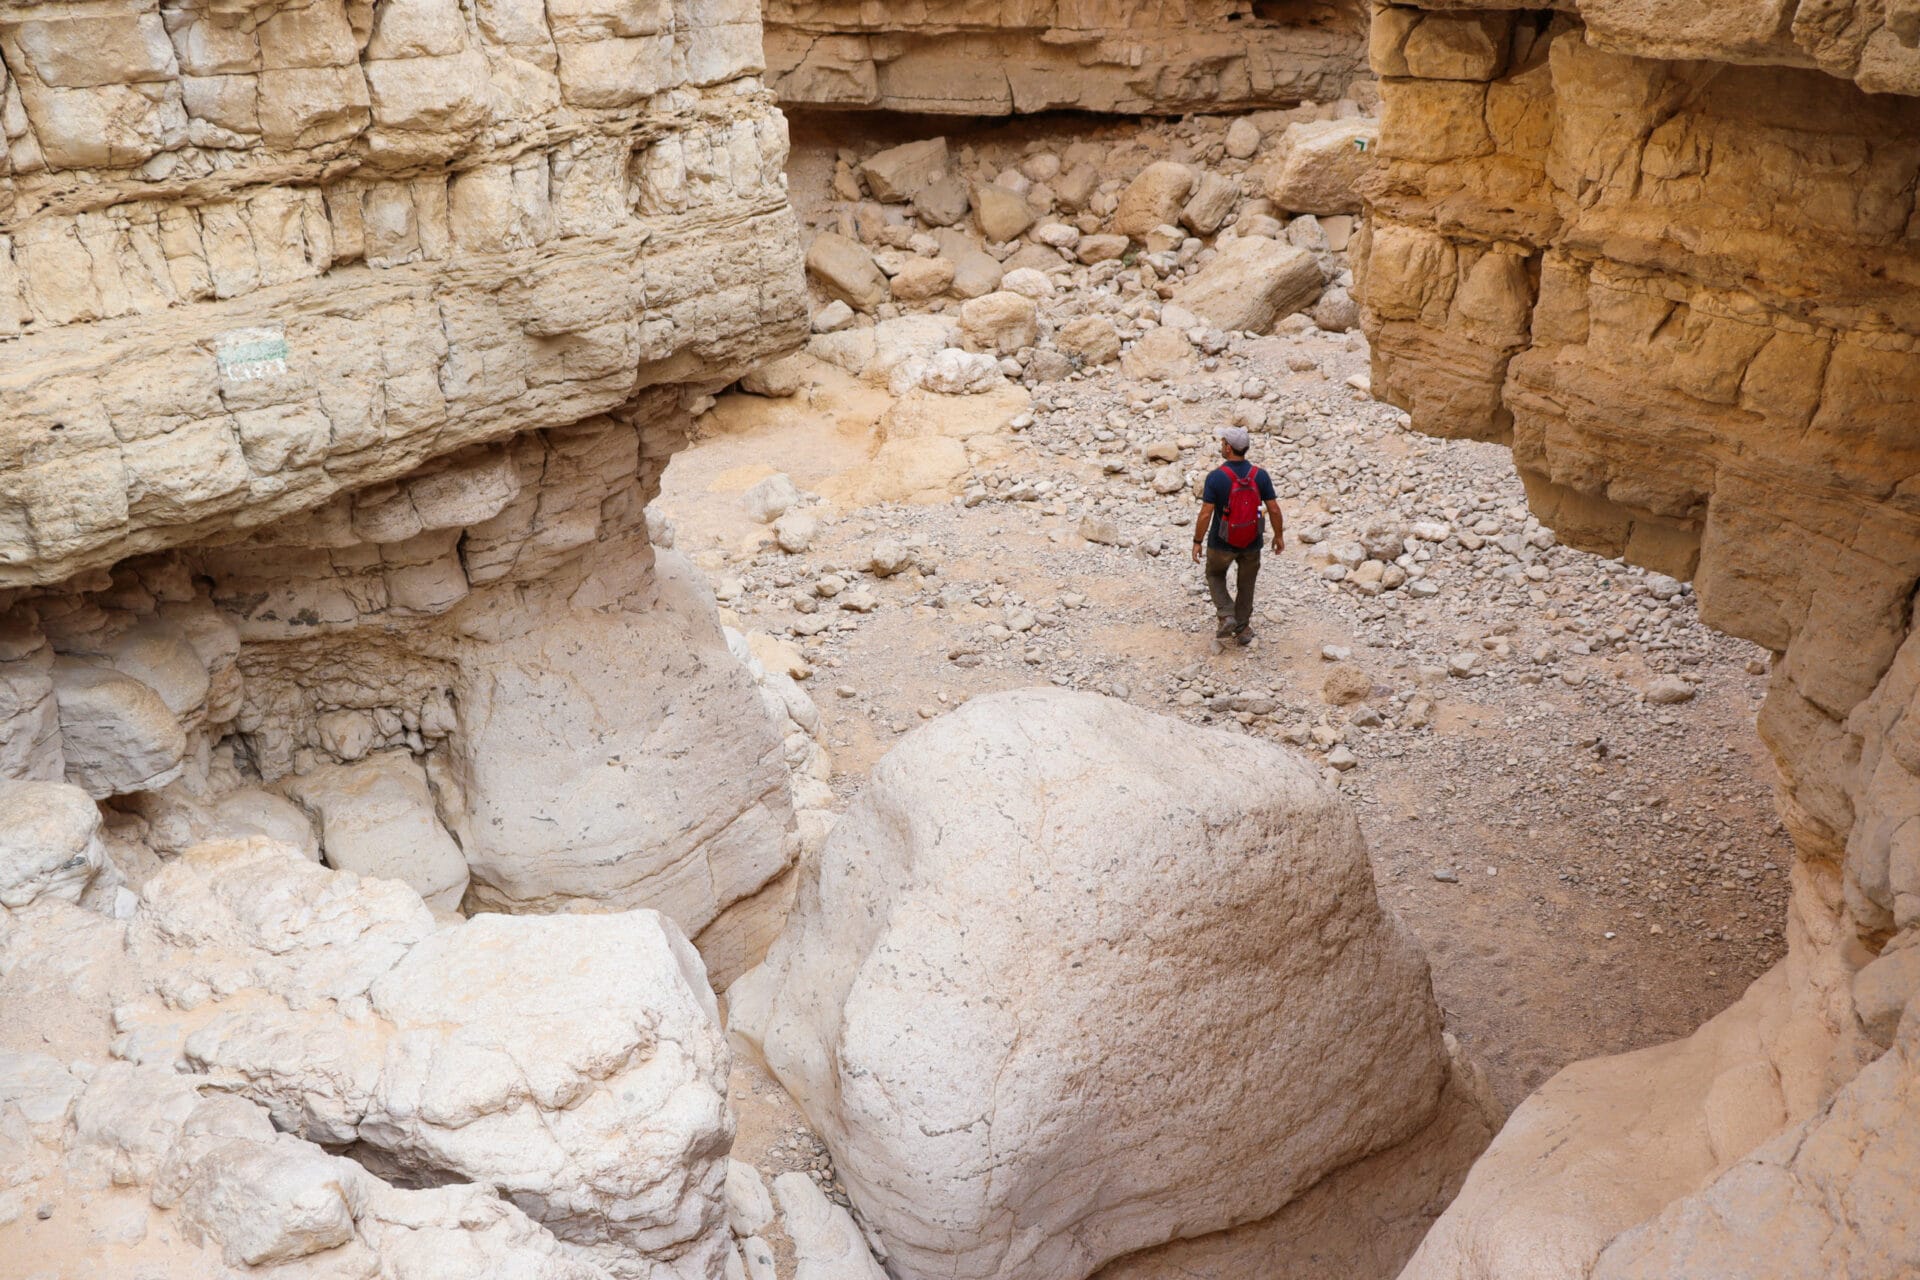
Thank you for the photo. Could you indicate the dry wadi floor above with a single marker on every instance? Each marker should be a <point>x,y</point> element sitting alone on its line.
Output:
<point>1589,870</point>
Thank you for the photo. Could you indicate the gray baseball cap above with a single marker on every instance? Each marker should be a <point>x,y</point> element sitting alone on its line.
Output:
<point>1237,438</point>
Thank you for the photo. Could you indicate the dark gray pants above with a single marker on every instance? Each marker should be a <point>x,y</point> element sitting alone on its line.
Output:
<point>1238,606</point>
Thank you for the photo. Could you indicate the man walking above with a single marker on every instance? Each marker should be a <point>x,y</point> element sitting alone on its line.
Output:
<point>1229,528</point>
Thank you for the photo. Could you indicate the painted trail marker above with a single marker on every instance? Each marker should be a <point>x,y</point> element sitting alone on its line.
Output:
<point>247,354</point>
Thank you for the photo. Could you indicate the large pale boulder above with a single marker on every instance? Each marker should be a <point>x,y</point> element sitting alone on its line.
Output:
<point>1070,980</point>
<point>1252,283</point>
<point>117,734</point>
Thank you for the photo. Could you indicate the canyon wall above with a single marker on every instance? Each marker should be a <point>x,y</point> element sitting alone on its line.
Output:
<point>1009,57</point>
<point>341,349</point>
<point>1672,260</point>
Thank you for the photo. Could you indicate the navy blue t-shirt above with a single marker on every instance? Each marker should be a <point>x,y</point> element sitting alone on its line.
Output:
<point>1219,488</point>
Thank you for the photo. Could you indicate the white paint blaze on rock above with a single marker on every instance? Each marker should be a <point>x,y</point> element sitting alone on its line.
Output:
<point>1070,980</point>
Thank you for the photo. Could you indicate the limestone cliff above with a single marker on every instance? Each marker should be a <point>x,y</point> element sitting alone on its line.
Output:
<point>341,348</point>
<point>988,57</point>
<point>1672,258</point>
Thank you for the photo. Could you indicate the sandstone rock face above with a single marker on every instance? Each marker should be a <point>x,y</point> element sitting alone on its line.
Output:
<point>1027,970</point>
<point>1711,381</point>
<point>255,258</point>
<point>338,383</point>
<point>49,842</point>
<point>224,1191</point>
<point>1123,56</point>
<point>1831,1196</point>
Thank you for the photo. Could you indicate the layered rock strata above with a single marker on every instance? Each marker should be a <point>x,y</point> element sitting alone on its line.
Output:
<point>980,58</point>
<point>1673,262</point>
<point>342,349</point>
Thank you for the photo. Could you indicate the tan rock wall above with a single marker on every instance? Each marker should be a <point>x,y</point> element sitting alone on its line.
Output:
<point>251,256</point>
<point>341,349</point>
<point>1006,57</point>
<point>1671,259</point>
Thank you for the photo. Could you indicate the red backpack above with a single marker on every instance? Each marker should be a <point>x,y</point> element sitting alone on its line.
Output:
<point>1241,524</point>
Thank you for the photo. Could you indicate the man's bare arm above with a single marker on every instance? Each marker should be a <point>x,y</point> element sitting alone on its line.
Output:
<point>1200,527</point>
<point>1279,524</point>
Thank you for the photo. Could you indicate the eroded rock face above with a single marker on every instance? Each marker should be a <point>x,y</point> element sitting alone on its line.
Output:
<point>573,1063</point>
<point>567,1073</point>
<point>343,348</point>
<point>1055,940</point>
<point>182,1181</point>
<point>252,257</point>
<point>1580,244</point>
<point>557,704</point>
<point>1124,56</point>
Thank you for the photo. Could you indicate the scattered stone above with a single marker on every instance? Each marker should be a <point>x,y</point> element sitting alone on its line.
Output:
<point>895,175</point>
<point>1346,684</point>
<point>1002,214</point>
<point>889,558</point>
<point>1243,138</point>
<point>777,378</point>
<point>833,317</point>
<point>1321,163</point>
<point>769,499</point>
<point>1251,283</point>
<point>1668,690</point>
<point>847,271</point>
<point>1092,340</point>
<point>1161,356</point>
<point>923,278</point>
<point>795,531</point>
<point>1002,322</point>
<point>1153,199</point>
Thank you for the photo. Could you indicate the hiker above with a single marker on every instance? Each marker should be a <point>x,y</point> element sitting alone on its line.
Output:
<point>1229,528</point>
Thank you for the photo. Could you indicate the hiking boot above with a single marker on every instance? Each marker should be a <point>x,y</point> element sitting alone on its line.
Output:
<point>1243,634</point>
<point>1224,630</point>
